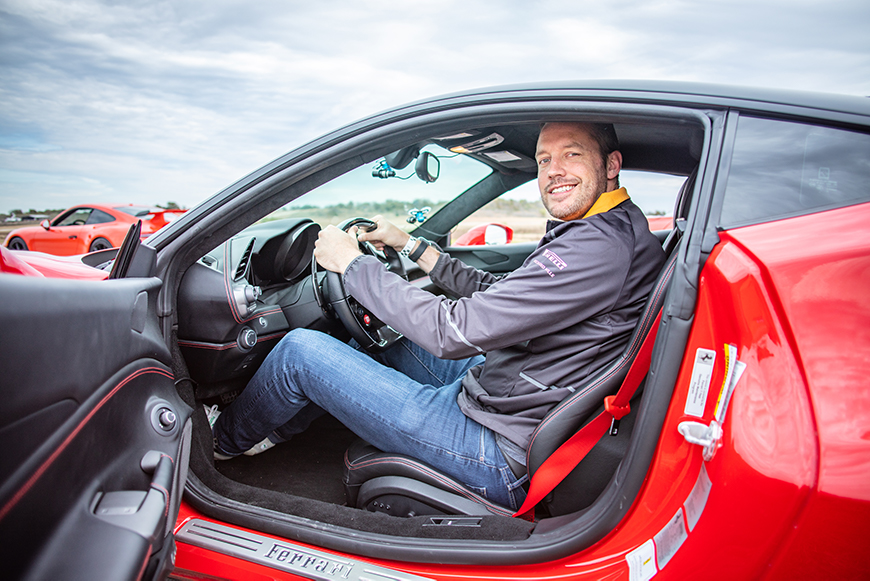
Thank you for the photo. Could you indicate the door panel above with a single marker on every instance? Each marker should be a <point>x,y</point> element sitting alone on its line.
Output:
<point>497,259</point>
<point>95,430</point>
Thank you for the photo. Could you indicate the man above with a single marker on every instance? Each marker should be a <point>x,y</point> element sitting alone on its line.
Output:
<point>566,312</point>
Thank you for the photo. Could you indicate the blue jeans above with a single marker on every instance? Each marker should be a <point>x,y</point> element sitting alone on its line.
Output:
<point>401,401</point>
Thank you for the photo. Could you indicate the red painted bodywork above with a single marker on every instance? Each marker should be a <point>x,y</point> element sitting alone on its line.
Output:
<point>38,264</point>
<point>72,240</point>
<point>789,495</point>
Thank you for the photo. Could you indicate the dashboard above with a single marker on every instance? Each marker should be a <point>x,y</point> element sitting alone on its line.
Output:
<point>240,299</point>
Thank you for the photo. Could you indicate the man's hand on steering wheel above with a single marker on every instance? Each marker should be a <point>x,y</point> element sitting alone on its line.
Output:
<point>386,234</point>
<point>335,249</point>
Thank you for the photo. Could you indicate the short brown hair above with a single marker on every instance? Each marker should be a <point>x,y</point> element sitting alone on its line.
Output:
<point>605,135</point>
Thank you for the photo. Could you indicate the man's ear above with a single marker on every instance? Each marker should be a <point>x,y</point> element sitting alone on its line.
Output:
<point>614,164</point>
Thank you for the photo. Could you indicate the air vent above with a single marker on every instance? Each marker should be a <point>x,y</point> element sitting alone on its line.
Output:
<point>245,262</point>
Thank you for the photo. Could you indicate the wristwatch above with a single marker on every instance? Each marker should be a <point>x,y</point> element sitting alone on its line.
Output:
<point>424,244</point>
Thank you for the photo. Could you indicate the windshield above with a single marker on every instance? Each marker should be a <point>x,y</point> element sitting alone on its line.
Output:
<point>404,199</point>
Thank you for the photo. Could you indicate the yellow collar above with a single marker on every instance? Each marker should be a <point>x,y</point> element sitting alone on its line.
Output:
<point>607,201</point>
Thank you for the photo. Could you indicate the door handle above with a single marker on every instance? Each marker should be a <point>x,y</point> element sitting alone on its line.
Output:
<point>143,512</point>
<point>73,237</point>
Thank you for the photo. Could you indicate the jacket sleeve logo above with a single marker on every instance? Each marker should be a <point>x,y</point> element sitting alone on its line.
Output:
<point>554,258</point>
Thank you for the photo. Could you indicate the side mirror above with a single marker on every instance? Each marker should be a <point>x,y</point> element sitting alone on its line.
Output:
<point>45,224</point>
<point>495,234</point>
<point>428,167</point>
<point>486,234</point>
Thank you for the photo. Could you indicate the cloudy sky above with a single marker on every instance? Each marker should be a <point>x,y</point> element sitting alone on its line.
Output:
<point>157,101</point>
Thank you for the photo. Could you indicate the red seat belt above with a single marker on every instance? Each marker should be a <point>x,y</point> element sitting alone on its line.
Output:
<point>568,455</point>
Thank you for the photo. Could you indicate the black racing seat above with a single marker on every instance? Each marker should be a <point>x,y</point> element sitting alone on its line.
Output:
<point>403,486</point>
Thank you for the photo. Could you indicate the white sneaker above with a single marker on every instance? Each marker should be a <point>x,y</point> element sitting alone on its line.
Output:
<point>219,456</point>
<point>261,447</point>
<point>212,413</point>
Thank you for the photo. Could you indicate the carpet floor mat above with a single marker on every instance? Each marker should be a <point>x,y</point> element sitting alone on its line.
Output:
<point>303,478</point>
<point>309,465</point>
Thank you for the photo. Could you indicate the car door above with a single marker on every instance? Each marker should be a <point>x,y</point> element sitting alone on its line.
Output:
<point>63,236</point>
<point>95,436</point>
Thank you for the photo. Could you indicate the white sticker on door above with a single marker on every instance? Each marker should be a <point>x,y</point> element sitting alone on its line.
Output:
<point>697,499</point>
<point>642,562</point>
<point>733,372</point>
<point>702,374</point>
<point>669,539</point>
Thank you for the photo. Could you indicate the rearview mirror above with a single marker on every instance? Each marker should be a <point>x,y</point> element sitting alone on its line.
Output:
<point>428,167</point>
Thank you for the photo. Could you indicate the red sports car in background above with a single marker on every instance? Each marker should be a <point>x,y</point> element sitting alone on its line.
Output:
<point>744,454</point>
<point>88,228</point>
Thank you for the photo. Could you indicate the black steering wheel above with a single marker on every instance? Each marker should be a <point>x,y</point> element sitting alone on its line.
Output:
<point>370,332</point>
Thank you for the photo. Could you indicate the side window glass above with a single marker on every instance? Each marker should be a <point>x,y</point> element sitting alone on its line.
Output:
<point>781,169</point>
<point>100,217</point>
<point>75,218</point>
<point>516,216</point>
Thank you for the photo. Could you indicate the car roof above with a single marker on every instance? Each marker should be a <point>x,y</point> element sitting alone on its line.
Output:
<point>651,144</point>
<point>658,146</point>
<point>141,209</point>
<point>680,93</point>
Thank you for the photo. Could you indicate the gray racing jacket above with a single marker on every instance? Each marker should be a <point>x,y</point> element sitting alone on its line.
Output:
<point>565,313</point>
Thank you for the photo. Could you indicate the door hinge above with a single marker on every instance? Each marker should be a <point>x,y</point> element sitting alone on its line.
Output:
<point>708,437</point>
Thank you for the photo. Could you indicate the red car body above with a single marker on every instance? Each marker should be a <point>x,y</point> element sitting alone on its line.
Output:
<point>774,350</point>
<point>47,265</point>
<point>86,228</point>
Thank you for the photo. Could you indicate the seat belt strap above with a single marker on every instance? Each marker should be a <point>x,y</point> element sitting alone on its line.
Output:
<point>571,453</point>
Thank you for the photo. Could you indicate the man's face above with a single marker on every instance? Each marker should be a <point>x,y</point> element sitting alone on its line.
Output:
<point>571,171</point>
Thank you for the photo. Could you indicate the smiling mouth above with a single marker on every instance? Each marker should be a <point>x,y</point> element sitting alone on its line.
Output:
<point>561,189</point>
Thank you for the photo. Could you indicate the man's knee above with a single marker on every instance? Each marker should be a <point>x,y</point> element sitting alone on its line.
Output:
<point>302,343</point>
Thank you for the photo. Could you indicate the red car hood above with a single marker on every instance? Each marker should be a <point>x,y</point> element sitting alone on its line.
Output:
<point>29,263</point>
